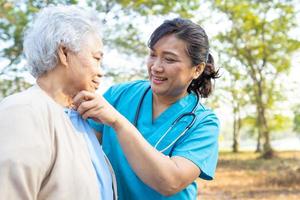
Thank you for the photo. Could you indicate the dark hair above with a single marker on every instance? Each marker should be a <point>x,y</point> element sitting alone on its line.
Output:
<point>197,49</point>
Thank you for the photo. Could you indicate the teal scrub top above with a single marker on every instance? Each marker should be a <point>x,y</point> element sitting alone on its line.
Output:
<point>199,144</point>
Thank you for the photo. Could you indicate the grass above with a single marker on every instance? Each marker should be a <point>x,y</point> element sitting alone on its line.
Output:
<point>244,176</point>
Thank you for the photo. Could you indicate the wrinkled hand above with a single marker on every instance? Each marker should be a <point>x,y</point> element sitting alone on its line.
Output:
<point>91,105</point>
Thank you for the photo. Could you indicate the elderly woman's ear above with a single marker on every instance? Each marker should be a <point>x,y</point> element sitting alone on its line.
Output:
<point>62,55</point>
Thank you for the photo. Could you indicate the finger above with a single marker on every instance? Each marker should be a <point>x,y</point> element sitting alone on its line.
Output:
<point>78,99</point>
<point>86,105</point>
<point>92,113</point>
<point>82,96</point>
<point>94,104</point>
<point>96,120</point>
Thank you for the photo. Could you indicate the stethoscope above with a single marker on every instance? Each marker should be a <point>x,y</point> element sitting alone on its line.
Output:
<point>190,114</point>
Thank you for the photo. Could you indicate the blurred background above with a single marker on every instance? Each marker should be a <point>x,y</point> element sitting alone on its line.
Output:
<point>256,46</point>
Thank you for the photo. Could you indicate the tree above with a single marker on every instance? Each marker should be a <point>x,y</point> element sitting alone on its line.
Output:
<point>259,39</point>
<point>235,94</point>
<point>297,119</point>
<point>11,86</point>
<point>124,23</point>
<point>14,18</point>
<point>122,17</point>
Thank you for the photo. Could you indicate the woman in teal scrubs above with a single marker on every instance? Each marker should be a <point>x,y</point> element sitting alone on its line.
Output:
<point>150,159</point>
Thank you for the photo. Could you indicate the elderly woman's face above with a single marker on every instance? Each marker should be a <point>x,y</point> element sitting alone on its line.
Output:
<point>85,71</point>
<point>170,68</point>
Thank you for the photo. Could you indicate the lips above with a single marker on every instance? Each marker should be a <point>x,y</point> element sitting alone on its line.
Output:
<point>97,79</point>
<point>158,80</point>
<point>96,83</point>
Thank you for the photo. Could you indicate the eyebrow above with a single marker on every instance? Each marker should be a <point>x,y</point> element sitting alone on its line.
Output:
<point>167,53</point>
<point>170,53</point>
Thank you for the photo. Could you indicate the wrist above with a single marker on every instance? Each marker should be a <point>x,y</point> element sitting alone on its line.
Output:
<point>117,124</point>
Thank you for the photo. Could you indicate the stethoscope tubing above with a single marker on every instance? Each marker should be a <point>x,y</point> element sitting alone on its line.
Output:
<point>192,114</point>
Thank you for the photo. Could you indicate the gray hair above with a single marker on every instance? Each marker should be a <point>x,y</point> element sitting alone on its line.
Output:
<point>55,26</point>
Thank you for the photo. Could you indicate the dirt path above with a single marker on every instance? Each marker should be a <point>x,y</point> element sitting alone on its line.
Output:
<point>244,177</point>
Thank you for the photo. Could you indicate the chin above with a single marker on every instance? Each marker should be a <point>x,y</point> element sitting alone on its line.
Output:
<point>157,91</point>
<point>92,90</point>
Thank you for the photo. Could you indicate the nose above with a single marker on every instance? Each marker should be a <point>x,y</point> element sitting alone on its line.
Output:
<point>157,65</point>
<point>100,72</point>
<point>97,79</point>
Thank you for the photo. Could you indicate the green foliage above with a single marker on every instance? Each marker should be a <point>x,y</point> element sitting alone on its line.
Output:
<point>260,42</point>
<point>122,31</point>
<point>160,7</point>
<point>280,122</point>
<point>259,35</point>
<point>297,119</point>
<point>124,22</point>
<point>10,86</point>
<point>126,37</point>
<point>255,50</point>
<point>11,14</point>
<point>14,17</point>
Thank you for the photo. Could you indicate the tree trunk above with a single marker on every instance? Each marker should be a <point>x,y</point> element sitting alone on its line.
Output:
<point>258,145</point>
<point>259,132</point>
<point>235,145</point>
<point>263,128</point>
<point>236,129</point>
<point>268,152</point>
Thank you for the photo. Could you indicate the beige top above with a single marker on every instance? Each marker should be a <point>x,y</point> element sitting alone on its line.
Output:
<point>41,157</point>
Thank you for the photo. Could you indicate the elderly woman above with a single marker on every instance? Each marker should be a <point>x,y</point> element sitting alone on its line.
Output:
<point>42,155</point>
<point>174,139</point>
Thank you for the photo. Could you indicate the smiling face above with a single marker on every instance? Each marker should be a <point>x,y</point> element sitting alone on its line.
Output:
<point>84,71</point>
<point>170,68</point>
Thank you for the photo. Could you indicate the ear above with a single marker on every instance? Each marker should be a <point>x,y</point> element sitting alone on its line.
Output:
<point>63,55</point>
<point>198,70</point>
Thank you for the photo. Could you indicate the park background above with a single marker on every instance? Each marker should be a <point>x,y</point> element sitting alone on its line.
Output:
<point>256,46</point>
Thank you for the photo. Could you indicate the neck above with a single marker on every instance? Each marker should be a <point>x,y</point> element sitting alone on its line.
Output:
<point>161,103</point>
<point>54,86</point>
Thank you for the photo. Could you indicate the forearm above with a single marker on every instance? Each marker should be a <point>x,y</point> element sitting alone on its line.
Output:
<point>155,169</point>
<point>164,174</point>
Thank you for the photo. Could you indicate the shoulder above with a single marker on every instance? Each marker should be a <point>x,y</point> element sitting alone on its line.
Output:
<point>28,117</point>
<point>32,103</point>
<point>21,100</point>
<point>206,117</point>
<point>22,118</point>
<point>129,86</point>
<point>25,142</point>
<point>126,89</point>
<point>206,113</point>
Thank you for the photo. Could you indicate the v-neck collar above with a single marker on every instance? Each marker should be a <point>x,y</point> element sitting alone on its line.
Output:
<point>175,108</point>
<point>152,131</point>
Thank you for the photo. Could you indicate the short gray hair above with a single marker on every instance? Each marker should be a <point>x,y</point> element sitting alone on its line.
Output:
<point>55,26</point>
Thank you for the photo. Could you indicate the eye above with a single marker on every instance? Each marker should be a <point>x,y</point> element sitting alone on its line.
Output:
<point>170,60</point>
<point>97,58</point>
<point>152,54</point>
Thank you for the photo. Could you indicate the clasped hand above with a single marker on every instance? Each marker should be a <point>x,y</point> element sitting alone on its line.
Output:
<point>92,105</point>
